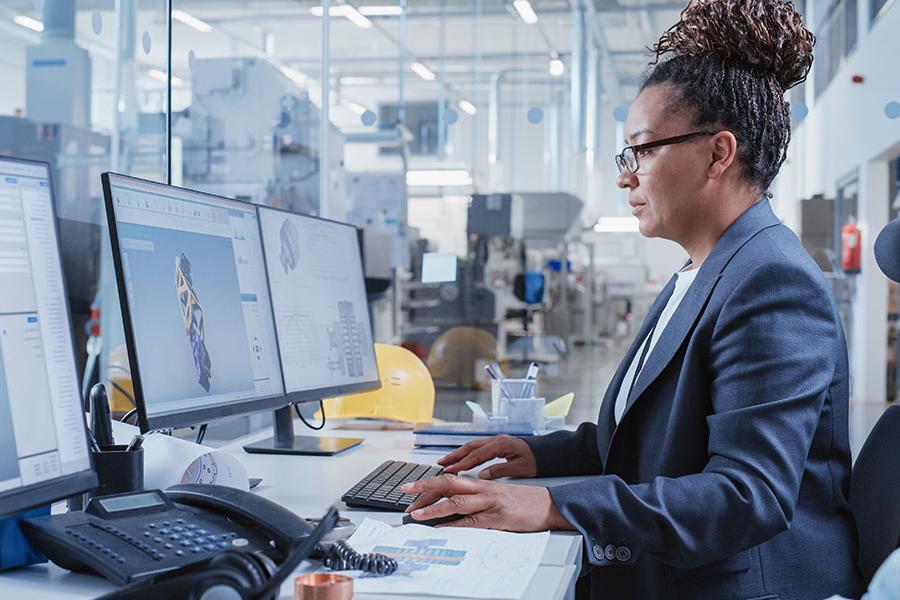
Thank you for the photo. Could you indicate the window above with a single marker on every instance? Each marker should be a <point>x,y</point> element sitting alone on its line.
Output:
<point>836,38</point>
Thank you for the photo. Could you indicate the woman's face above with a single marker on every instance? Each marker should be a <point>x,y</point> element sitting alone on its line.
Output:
<point>666,193</point>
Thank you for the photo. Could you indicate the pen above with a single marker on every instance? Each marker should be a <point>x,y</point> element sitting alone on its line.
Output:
<point>499,378</point>
<point>135,444</point>
<point>531,376</point>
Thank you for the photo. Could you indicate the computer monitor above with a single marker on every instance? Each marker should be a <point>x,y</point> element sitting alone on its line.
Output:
<point>321,313</point>
<point>195,303</point>
<point>44,453</point>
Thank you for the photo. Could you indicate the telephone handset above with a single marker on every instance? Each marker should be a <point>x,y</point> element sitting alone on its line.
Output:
<point>127,537</point>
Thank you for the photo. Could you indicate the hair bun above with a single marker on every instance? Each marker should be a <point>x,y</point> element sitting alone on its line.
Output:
<point>767,35</point>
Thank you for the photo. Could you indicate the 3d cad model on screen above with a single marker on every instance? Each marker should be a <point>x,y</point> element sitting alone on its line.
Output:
<point>192,316</point>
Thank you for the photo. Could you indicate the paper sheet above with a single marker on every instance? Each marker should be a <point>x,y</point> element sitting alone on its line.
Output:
<point>169,461</point>
<point>450,561</point>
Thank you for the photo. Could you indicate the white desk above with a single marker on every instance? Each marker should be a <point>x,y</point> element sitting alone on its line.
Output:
<point>308,485</point>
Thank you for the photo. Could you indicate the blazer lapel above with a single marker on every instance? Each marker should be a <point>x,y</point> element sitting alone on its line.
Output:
<point>752,221</point>
<point>605,420</point>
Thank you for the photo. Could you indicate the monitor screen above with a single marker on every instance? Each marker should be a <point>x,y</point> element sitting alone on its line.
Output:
<point>195,302</point>
<point>321,311</point>
<point>438,267</point>
<point>43,444</point>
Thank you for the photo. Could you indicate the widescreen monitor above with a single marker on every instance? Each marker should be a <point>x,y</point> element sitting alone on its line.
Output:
<point>195,303</point>
<point>321,310</point>
<point>44,453</point>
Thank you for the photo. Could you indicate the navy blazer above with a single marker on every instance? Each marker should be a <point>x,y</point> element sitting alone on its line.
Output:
<point>728,474</point>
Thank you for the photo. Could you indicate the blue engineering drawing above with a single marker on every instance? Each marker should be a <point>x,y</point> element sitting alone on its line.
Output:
<point>192,316</point>
<point>420,555</point>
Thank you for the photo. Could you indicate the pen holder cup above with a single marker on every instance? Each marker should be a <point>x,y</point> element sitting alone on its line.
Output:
<point>516,388</point>
<point>118,471</point>
<point>528,411</point>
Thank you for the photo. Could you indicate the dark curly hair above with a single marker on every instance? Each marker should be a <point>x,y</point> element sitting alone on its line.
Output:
<point>731,63</point>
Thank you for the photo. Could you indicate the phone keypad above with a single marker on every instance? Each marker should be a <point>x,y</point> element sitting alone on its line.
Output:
<point>181,538</point>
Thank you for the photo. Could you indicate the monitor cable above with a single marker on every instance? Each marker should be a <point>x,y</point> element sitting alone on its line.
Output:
<point>305,422</point>
<point>201,434</point>
<point>128,415</point>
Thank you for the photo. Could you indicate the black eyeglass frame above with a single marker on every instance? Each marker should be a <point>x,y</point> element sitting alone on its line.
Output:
<point>620,157</point>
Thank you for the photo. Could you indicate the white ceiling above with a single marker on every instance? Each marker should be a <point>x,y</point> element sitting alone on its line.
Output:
<point>501,41</point>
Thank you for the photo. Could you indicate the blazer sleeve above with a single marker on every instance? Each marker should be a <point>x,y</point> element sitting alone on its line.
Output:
<point>567,452</point>
<point>772,358</point>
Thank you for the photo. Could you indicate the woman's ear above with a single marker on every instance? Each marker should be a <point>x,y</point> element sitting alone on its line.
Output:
<point>724,152</point>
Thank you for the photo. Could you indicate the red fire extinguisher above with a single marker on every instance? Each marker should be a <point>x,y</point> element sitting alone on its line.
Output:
<point>851,247</point>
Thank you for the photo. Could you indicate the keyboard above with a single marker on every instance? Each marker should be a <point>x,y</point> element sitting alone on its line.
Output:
<point>381,488</point>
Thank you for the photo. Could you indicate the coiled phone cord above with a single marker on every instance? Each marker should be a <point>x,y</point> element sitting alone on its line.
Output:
<point>341,557</point>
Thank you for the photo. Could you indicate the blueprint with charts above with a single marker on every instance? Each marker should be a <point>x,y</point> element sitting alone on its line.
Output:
<point>450,561</point>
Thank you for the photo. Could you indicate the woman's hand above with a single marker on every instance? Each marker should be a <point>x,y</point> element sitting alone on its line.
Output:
<point>485,504</point>
<point>520,461</point>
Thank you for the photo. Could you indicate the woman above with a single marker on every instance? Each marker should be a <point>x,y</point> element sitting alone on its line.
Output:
<point>719,465</point>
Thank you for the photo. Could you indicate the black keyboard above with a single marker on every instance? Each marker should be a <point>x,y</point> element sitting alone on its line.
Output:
<point>381,487</point>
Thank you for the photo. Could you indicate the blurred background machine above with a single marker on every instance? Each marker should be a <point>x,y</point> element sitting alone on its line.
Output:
<point>506,286</point>
<point>252,133</point>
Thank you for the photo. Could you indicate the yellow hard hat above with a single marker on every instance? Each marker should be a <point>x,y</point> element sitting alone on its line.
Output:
<point>458,354</point>
<point>120,389</point>
<point>406,393</point>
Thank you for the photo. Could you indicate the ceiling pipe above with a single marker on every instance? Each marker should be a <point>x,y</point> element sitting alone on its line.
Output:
<point>59,20</point>
<point>494,120</point>
<point>578,81</point>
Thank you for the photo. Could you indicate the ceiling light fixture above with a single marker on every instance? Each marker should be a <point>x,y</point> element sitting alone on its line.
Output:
<point>29,23</point>
<point>161,76</point>
<point>467,107</point>
<point>359,109</point>
<point>422,71</point>
<point>355,17</point>
<point>191,21</point>
<point>381,11</point>
<point>344,10</point>
<point>526,12</point>
<point>557,66</point>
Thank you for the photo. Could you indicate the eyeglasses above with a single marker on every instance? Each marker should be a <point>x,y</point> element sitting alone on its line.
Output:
<point>628,158</point>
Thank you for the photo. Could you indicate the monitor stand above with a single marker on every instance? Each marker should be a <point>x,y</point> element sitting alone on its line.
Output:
<point>285,442</point>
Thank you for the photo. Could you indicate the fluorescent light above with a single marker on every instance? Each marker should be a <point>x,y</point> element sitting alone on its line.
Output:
<point>360,81</point>
<point>344,10</point>
<point>448,177</point>
<point>356,107</point>
<point>355,17</point>
<point>381,11</point>
<point>557,67</point>
<point>191,21</point>
<point>523,7</point>
<point>28,22</point>
<point>294,75</point>
<point>161,76</point>
<point>467,107</point>
<point>616,225</point>
<point>422,71</point>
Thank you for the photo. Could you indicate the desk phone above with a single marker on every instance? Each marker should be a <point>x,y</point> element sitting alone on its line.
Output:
<point>128,537</point>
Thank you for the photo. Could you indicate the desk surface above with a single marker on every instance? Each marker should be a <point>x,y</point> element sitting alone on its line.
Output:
<point>285,482</point>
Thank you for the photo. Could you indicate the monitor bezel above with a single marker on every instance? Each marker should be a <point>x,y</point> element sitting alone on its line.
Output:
<point>23,498</point>
<point>316,394</point>
<point>196,416</point>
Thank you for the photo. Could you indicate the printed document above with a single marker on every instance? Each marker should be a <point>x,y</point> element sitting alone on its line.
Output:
<point>450,561</point>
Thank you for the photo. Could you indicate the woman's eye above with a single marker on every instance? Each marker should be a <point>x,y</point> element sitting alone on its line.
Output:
<point>643,153</point>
